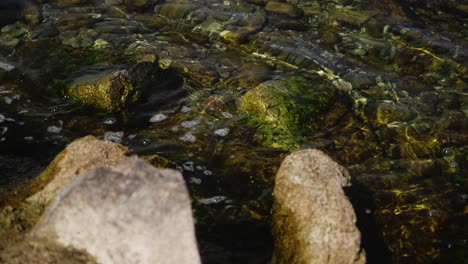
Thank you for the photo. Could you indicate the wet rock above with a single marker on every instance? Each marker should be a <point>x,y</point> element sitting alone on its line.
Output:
<point>353,17</point>
<point>73,21</point>
<point>202,75</point>
<point>139,4</point>
<point>66,3</point>
<point>84,38</point>
<point>177,8</point>
<point>329,34</point>
<point>313,221</point>
<point>15,30</point>
<point>44,30</point>
<point>251,74</point>
<point>285,108</point>
<point>384,113</point>
<point>151,20</point>
<point>133,213</point>
<point>118,27</point>
<point>80,156</point>
<point>283,8</point>
<point>113,90</point>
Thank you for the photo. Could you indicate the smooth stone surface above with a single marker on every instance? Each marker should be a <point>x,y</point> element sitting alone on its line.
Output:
<point>313,221</point>
<point>133,213</point>
<point>80,156</point>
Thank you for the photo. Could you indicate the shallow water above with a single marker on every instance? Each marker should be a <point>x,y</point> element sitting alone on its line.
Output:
<point>388,102</point>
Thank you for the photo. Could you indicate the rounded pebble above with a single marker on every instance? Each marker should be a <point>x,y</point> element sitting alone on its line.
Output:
<point>114,136</point>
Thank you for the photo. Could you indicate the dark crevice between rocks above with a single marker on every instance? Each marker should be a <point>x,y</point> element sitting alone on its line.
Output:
<point>371,236</point>
<point>231,243</point>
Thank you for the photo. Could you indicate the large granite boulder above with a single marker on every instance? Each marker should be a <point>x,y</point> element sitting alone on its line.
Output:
<point>20,213</point>
<point>133,213</point>
<point>80,156</point>
<point>313,221</point>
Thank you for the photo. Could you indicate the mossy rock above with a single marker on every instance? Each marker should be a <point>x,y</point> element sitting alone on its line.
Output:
<point>115,89</point>
<point>110,90</point>
<point>286,110</point>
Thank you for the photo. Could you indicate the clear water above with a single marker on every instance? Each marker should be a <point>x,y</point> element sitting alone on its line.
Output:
<point>399,123</point>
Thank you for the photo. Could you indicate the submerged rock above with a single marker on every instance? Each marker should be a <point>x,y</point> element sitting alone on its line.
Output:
<point>283,109</point>
<point>113,90</point>
<point>313,221</point>
<point>133,213</point>
<point>384,113</point>
<point>65,3</point>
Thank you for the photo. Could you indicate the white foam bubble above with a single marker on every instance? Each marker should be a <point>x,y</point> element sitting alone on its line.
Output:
<point>190,124</point>
<point>158,118</point>
<point>188,166</point>
<point>6,67</point>
<point>8,100</point>
<point>54,129</point>
<point>212,200</point>
<point>110,121</point>
<point>195,180</point>
<point>227,115</point>
<point>222,132</point>
<point>188,137</point>
<point>185,109</point>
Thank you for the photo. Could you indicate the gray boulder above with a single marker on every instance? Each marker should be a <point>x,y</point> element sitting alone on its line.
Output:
<point>313,221</point>
<point>133,213</point>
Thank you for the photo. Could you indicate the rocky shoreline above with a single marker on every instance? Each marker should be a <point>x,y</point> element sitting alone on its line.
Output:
<point>224,90</point>
<point>100,206</point>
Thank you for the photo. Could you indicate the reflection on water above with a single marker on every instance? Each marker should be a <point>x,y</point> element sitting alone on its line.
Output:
<point>379,85</point>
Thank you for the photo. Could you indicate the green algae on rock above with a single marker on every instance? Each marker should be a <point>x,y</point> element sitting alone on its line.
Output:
<point>110,90</point>
<point>285,109</point>
<point>113,90</point>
